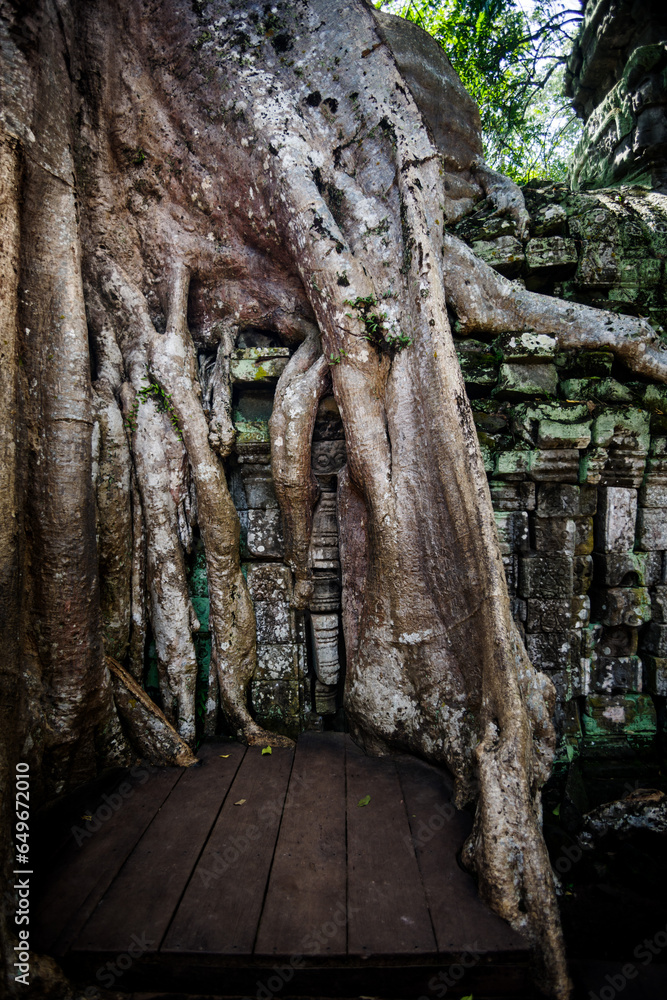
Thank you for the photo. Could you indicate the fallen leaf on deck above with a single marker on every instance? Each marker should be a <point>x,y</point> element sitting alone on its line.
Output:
<point>364,802</point>
<point>86,817</point>
<point>240,802</point>
<point>266,750</point>
<point>223,755</point>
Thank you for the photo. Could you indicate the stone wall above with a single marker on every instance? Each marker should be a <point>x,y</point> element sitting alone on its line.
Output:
<point>575,447</point>
<point>616,77</point>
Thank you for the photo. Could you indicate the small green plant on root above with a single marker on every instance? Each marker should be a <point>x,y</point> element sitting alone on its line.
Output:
<point>376,331</point>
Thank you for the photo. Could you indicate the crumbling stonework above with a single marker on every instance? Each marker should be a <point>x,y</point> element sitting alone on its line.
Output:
<point>575,447</point>
<point>616,77</point>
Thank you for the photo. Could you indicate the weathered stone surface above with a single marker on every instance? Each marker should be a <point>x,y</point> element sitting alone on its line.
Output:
<point>258,487</point>
<point>652,529</point>
<point>259,364</point>
<point>554,465</point>
<point>622,606</point>
<point>618,640</point>
<point>544,615</point>
<point>546,576</point>
<point>550,220</point>
<point>592,466</point>
<point>550,252</point>
<point>659,605</point>
<point>328,456</point>
<point>615,522</point>
<point>616,674</point>
<point>274,622</point>
<point>511,567</point>
<point>654,639</point>
<point>512,496</point>
<point>504,254</point>
<point>584,536</point>
<point>514,464</point>
<point>553,434</point>
<point>653,496</point>
<point>526,381</point>
<point>628,569</point>
<point>552,650</point>
<point>324,632</point>
<point>601,390</point>
<point>556,500</point>
<point>655,674</point>
<point>581,611</point>
<point>513,534</point>
<point>616,714</point>
<point>275,689</point>
<point>598,265</point>
<point>265,534</point>
<point>555,534</point>
<point>268,581</point>
<point>526,347</point>
<point>582,574</point>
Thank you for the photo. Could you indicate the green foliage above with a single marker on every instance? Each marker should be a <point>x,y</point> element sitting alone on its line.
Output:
<point>162,400</point>
<point>513,65</point>
<point>377,333</point>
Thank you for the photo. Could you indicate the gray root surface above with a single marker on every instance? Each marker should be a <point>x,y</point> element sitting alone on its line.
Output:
<point>231,173</point>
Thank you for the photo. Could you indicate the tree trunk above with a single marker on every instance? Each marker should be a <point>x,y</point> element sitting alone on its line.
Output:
<point>286,168</point>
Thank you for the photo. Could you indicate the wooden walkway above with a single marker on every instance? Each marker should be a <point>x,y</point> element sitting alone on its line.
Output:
<point>263,875</point>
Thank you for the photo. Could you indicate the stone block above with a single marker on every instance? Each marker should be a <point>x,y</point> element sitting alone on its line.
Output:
<point>659,605</point>
<point>617,640</point>
<point>624,468</point>
<point>628,569</point>
<point>512,496</point>
<point>592,465</point>
<point>512,463</point>
<point>328,456</point>
<point>655,675</point>
<point>276,688</point>
<point>526,381</point>
<point>556,500</point>
<point>653,496</point>
<point>616,675</point>
<point>527,347</point>
<point>615,715</point>
<point>265,534</point>
<point>274,622</point>
<point>512,528</point>
<point>504,254</point>
<point>622,606</point>
<point>553,434</point>
<point>554,465</point>
<point>549,651</point>
<point>584,536</point>
<point>582,574</point>
<point>544,254</point>
<point>549,220</point>
<point>585,364</point>
<point>511,567</point>
<point>555,534</point>
<point>545,615</point>
<point>258,364</point>
<point>518,609</point>
<point>546,576</point>
<point>269,582</point>
<point>600,390</point>
<point>615,523</point>
<point>654,639</point>
<point>258,488</point>
<point>580,677</point>
<point>652,529</point>
<point>598,265</point>
<point>581,611</point>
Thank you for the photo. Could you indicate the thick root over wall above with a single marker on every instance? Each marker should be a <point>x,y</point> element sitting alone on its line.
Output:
<point>290,170</point>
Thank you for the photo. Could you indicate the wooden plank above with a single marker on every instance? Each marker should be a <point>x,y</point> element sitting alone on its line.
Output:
<point>305,912</point>
<point>87,867</point>
<point>222,904</point>
<point>144,895</point>
<point>388,913</point>
<point>461,921</point>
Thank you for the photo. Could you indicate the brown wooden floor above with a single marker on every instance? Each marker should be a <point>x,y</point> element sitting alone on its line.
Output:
<point>214,878</point>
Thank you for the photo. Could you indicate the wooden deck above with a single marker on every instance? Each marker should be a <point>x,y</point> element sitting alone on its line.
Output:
<point>213,879</point>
